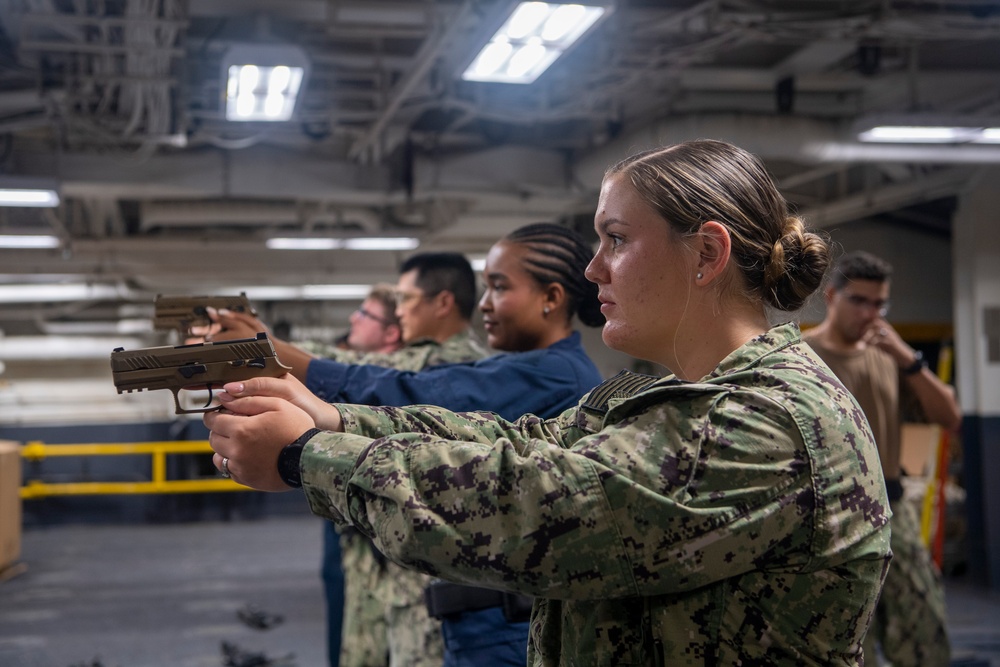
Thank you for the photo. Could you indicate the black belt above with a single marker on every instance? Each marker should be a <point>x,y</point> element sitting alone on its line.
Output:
<point>444,599</point>
<point>893,489</point>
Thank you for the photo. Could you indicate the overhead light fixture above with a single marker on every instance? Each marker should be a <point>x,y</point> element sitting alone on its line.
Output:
<point>263,81</point>
<point>301,293</point>
<point>36,293</point>
<point>532,37</point>
<point>28,241</point>
<point>929,129</point>
<point>359,243</point>
<point>29,192</point>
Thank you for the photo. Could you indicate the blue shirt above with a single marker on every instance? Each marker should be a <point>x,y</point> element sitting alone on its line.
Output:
<point>541,382</point>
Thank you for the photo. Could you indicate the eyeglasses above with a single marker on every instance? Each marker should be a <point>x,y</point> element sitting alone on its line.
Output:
<point>372,316</point>
<point>881,306</point>
<point>403,298</point>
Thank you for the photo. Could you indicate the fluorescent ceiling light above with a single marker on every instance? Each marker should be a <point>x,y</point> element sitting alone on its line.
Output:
<point>28,241</point>
<point>360,243</point>
<point>301,293</point>
<point>381,243</point>
<point>66,292</point>
<point>930,134</point>
<point>28,192</point>
<point>291,243</point>
<point>920,134</point>
<point>263,81</point>
<point>535,34</point>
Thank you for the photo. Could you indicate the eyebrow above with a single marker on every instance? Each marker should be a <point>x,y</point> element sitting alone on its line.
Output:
<point>604,224</point>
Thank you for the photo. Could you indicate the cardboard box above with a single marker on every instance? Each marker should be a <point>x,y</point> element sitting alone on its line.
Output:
<point>919,448</point>
<point>10,503</point>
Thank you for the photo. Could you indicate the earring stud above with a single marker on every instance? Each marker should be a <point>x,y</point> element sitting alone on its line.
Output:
<point>699,276</point>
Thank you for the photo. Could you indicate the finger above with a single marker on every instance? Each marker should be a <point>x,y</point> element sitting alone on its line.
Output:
<point>250,406</point>
<point>280,387</point>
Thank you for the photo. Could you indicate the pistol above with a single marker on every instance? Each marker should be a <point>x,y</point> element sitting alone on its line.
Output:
<point>183,312</point>
<point>196,366</point>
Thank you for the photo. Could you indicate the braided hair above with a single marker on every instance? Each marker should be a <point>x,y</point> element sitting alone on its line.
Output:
<point>560,255</point>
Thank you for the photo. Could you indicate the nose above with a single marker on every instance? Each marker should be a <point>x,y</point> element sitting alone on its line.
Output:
<point>484,302</point>
<point>594,269</point>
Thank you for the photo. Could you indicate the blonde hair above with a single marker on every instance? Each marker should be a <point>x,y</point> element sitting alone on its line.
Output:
<point>693,182</point>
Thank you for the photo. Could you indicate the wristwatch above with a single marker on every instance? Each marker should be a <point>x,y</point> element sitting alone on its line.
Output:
<point>919,364</point>
<point>290,457</point>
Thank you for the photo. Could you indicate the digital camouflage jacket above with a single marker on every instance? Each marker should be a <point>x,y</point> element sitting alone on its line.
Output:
<point>741,519</point>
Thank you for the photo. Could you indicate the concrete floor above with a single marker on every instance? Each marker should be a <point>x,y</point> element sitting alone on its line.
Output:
<point>167,595</point>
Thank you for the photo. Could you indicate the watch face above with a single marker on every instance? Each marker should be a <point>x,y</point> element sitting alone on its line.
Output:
<point>288,465</point>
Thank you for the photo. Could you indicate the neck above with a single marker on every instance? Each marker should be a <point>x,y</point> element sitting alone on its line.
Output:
<point>829,336</point>
<point>701,345</point>
<point>449,328</point>
<point>554,335</point>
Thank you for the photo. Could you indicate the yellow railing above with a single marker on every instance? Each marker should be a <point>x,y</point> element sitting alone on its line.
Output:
<point>36,451</point>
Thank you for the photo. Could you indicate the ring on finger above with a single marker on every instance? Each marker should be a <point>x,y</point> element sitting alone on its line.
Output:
<point>224,468</point>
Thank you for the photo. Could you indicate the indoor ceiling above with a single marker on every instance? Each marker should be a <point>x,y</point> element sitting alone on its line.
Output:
<point>121,102</point>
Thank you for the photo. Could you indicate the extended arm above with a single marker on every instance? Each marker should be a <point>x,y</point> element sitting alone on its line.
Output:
<point>474,499</point>
<point>541,382</point>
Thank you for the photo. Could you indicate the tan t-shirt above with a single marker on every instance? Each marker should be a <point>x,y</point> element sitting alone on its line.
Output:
<point>873,378</point>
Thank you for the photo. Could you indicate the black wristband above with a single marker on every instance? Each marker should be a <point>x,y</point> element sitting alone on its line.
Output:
<point>290,458</point>
<point>919,364</point>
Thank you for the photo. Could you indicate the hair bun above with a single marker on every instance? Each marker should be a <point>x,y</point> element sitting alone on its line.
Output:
<point>796,266</point>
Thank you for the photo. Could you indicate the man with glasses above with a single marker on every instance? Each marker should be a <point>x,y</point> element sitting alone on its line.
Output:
<point>884,373</point>
<point>383,611</point>
<point>374,325</point>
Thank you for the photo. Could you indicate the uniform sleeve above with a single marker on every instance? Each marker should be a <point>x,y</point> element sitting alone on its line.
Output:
<point>650,505</point>
<point>508,384</point>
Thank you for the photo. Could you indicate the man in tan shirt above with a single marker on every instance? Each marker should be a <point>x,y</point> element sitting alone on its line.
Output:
<point>884,372</point>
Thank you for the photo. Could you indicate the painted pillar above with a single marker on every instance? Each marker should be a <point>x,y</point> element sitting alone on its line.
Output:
<point>976,266</point>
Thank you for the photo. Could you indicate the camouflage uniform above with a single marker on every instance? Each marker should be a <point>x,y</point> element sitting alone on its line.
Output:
<point>911,621</point>
<point>742,519</point>
<point>384,611</point>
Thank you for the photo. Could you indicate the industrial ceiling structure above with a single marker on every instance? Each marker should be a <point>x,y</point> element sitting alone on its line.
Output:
<point>121,103</point>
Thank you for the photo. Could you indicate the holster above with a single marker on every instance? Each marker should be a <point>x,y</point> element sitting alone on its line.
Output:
<point>445,599</point>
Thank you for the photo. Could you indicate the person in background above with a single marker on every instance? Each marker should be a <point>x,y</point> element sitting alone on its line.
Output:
<point>729,513</point>
<point>884,374</point>
<point>374,328</point>
<point>434,300</point>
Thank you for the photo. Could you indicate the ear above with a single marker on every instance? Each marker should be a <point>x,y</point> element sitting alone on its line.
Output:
<point>444,303</point>
<point>393,334</point>
<point>713,245</point>
<point>554,297</point>
<point>828,295</point>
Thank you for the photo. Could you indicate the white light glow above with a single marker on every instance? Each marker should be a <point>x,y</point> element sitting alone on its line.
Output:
<point>292,243</point>
<point>381,243</point>
<point>526,59</point>
<point>278,81</point>
<point>360,243</point>
<point>990,135</point>
<point>561,21</point>
<point>260,293</point>
<point>919,134</point>
<point>66,292</point>
<point>28,241</point>
<point>29,198</point>
<point>535,34</point>
<point>265,90</point>
<point>527,19</point>
<point>492,58</point>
